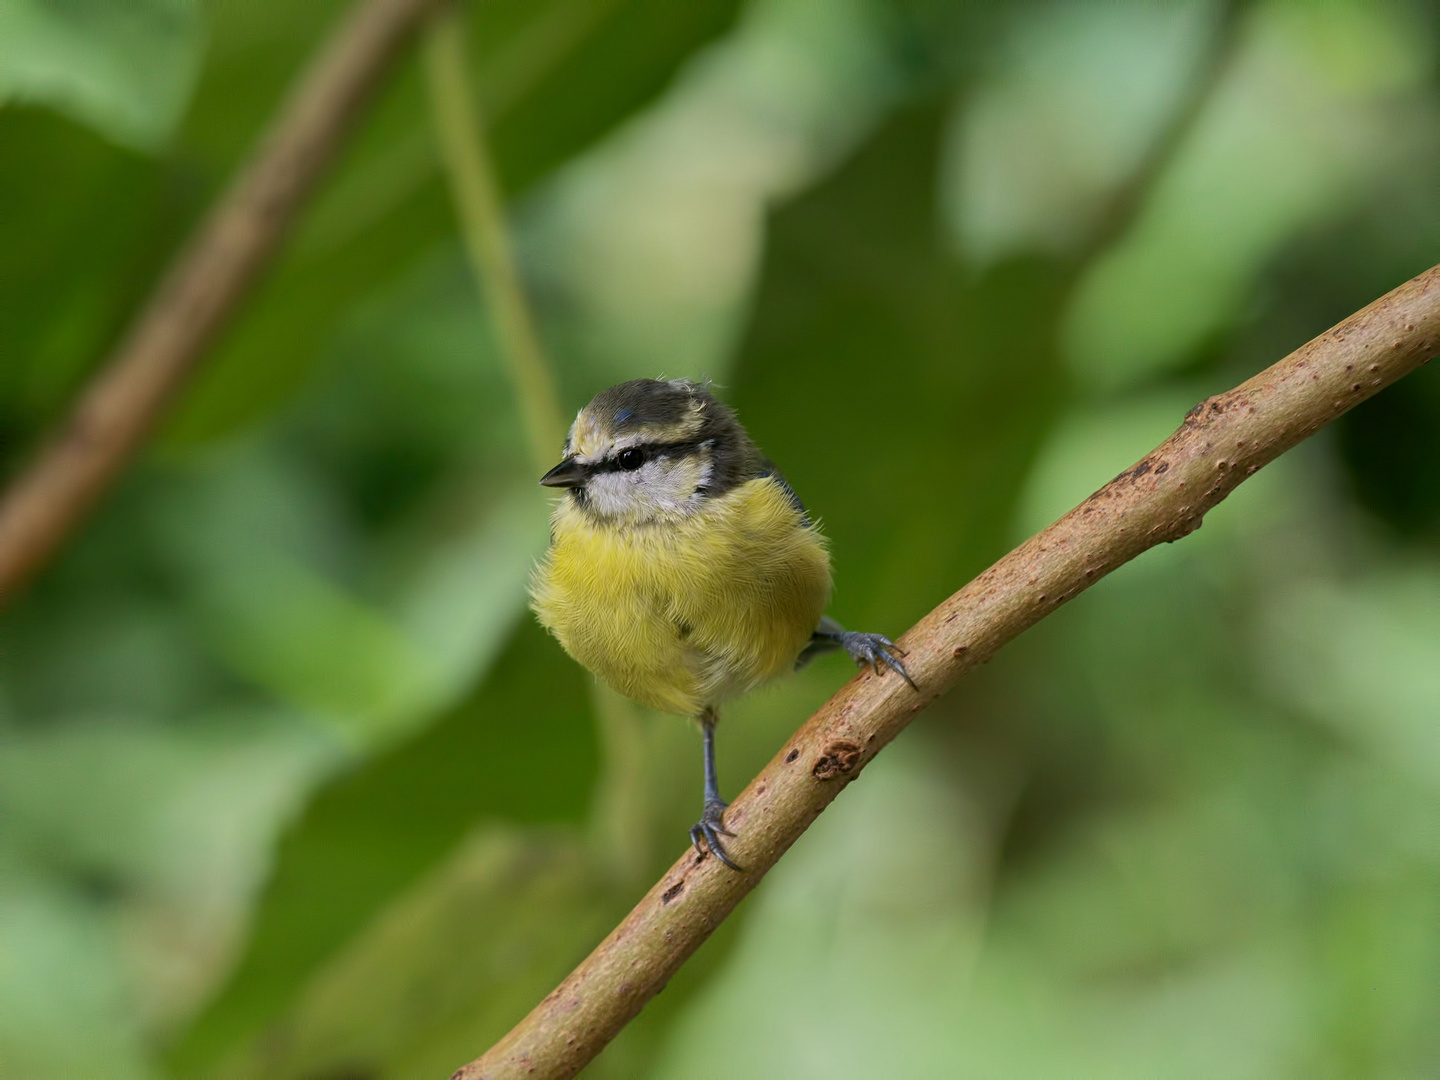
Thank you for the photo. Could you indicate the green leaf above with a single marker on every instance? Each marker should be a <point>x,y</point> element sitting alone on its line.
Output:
<point>1078,95</point>
<point>556,77</point>
<point>449,967</point>
<point>121,838</point>
<point>279,618</point>
<point>85,228</point>
<point>65,1012</point>
<point>902,396</point>
<point>125,69</point>
<point>522,748</point>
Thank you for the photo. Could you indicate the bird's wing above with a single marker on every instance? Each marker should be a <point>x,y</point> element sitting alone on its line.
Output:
<point>768,469</point>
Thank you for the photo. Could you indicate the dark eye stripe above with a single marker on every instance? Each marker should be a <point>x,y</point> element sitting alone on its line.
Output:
<point>649,450</point>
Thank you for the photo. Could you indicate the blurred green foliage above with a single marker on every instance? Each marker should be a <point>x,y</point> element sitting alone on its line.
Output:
<point>291,785</point>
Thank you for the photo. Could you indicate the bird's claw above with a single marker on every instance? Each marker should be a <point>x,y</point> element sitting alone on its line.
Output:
<point>875,649</point>
<point>710,828</point>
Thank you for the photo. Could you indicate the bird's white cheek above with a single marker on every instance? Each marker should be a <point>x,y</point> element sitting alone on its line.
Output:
<point>612,494</point>
<point>670,485</point>
<point>664,488</point>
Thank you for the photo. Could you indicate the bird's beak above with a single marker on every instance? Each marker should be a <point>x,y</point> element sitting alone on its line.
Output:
<point>568,474</point>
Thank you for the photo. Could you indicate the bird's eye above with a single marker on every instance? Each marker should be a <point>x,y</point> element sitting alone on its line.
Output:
<point>630,459</point>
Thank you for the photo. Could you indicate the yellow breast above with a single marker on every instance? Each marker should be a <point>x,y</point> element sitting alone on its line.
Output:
<point>685,614</point>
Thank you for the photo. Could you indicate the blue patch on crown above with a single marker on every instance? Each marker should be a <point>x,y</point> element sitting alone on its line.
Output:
<point>623,415</point>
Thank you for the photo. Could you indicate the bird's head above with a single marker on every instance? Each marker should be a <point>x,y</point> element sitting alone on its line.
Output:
<point>650,451</point>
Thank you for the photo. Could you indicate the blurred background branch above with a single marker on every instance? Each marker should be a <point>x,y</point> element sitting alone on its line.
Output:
<point>1161,499</point>
<point>200,291</point>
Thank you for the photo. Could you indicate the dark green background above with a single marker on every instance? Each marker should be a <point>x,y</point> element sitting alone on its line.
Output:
<point>290,783</point>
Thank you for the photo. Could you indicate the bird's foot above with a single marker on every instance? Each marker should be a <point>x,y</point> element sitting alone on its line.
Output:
<point>710,828</point>
<point>875,649</point>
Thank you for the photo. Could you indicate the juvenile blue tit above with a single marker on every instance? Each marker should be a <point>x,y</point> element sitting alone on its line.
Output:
<point>683,570</point>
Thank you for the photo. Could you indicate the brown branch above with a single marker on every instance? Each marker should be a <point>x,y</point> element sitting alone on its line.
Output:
<point>202,289</point>
<point>1161,498</point>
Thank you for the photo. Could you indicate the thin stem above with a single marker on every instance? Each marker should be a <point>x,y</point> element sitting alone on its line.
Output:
<point>621,814</point>
<point>621,817</point>
<point>1160,499</point>
<point>475,189</point>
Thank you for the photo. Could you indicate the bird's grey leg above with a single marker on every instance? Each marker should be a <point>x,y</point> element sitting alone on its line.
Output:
<point>863,648</point>
<point>711,825</point>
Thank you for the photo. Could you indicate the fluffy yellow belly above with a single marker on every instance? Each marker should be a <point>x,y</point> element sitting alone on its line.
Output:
<point>683,615</point>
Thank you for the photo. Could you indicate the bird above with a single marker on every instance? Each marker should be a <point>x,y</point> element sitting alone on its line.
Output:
<point>683,570</point>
